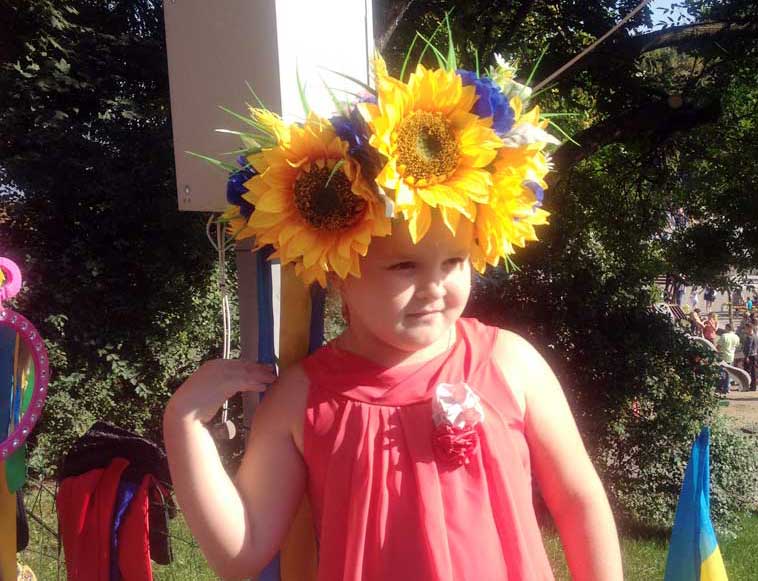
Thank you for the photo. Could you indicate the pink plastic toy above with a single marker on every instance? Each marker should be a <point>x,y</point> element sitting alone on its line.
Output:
<point>35,345</point>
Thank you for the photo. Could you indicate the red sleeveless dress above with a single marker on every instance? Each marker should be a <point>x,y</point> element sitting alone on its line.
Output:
<point>384,507</point>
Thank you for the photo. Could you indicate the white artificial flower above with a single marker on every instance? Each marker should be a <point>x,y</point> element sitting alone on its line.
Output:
<point>456,404</point>
<point>525,134</point>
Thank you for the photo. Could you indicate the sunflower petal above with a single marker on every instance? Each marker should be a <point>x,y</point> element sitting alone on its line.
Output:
<point>419,223</point>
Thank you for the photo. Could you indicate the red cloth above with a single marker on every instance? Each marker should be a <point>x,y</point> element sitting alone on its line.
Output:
<point>133,536</point>
<point>85,516</point>
<point>384,506</point>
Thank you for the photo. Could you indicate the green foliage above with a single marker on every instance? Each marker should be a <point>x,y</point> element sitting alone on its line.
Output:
<point>127,384</point>
<point>734,476</point>
<point>119,282</point>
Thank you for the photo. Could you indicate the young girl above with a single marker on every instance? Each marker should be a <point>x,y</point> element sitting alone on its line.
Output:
<point>416,433</point>
<point>352,426</point>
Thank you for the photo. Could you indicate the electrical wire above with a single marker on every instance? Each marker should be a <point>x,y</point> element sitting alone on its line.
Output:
<point>219,244</point>
<point>591,47</point>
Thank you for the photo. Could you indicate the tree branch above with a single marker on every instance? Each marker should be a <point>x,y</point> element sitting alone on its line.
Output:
<point>630,47</point>
<point>394,21</point>
<point>678,35</point>
<point>658,119</point>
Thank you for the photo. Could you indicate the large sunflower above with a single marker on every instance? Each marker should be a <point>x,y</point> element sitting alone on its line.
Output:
<point>312,203</point>
<point>514,208</point>
<point>436,150</point>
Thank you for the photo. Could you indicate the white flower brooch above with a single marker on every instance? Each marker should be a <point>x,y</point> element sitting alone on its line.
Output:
<point>456,411</point>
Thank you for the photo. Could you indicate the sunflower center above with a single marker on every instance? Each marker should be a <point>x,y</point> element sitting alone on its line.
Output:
<point>426,147</point>
<point>327,206</point>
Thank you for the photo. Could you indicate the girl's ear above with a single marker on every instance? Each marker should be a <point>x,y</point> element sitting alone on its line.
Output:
<point>334,282</point>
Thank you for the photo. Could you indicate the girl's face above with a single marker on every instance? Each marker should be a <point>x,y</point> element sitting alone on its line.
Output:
<point>409,295</point>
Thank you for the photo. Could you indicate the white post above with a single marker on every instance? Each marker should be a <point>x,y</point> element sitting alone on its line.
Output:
<point>214,48</point>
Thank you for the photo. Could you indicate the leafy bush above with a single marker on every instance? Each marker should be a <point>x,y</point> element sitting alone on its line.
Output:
<point>125,383</point>
<point>734,473</point>
<point>120,283</point>
<point>640,390</point>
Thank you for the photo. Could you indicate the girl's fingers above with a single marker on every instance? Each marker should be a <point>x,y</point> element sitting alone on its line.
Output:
<point>251,367</point>
<point>252,379</point>
<point>249,387</point>
<point>236,368</point>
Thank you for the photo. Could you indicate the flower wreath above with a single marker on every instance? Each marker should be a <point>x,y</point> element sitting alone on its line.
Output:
<point>448,138</point>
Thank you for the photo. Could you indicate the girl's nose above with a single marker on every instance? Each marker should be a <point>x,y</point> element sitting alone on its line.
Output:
<point>432,287</point>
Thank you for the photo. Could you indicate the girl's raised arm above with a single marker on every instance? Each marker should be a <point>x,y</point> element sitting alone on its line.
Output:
<point>238,523</point>
<point>567,479</point>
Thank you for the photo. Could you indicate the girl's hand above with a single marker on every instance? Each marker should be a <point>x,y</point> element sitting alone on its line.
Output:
<point>201,396</point>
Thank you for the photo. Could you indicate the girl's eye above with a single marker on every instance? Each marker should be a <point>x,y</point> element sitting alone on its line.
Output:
<point>455,261</point>
<point>402,266</point>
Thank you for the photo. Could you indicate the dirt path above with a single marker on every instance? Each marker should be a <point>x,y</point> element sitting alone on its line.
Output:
<point>743,407</point>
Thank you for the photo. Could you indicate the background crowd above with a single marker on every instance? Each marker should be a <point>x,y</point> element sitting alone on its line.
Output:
<point>734,346</point>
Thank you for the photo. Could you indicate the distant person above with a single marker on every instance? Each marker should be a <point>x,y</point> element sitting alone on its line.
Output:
<point>710,327</point>
<point>679,293</point>
<point>696,323</point>
<point>694,296</point>
<point>749,304</point>
<point>727,346</point>
<point>680,218</point>
<point>737,297</point>
<point>710,296</point>
<point>742,327</point>
<point>750,350</point>
<point>742,331</point>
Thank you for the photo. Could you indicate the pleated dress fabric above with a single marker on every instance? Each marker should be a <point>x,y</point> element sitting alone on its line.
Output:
<point>384,507</point>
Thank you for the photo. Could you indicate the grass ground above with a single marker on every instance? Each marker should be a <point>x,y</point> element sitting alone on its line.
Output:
<point>644,556</point>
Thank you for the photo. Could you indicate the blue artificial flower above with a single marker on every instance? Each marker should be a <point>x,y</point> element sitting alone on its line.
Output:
<point>538,192</point>
<point>354,130</point>
<point>491,103</point>
<point>235,187</point>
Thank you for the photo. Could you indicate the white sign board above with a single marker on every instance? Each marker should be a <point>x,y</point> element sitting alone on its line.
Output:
<point>215,47</point>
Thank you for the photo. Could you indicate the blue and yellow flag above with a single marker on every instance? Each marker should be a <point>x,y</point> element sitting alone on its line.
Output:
<point>694,553</point>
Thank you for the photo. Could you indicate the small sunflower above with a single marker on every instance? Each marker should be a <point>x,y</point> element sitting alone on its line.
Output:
<point>514,207</point>
<point>508,220</point>
<point>312,203</point>
<point>436,149</point>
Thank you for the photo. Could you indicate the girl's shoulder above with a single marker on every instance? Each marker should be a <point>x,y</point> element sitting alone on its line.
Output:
<point>529,376</point>
<point>287,401</point>
<point>514,356</point>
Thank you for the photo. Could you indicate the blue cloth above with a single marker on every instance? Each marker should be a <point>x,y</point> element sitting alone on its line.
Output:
<point>316,334</point>
<point>266,352</point>
<point>124,495</point>
<point>693,540</point>
<point>7,348</point>
<point>272,570</point>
